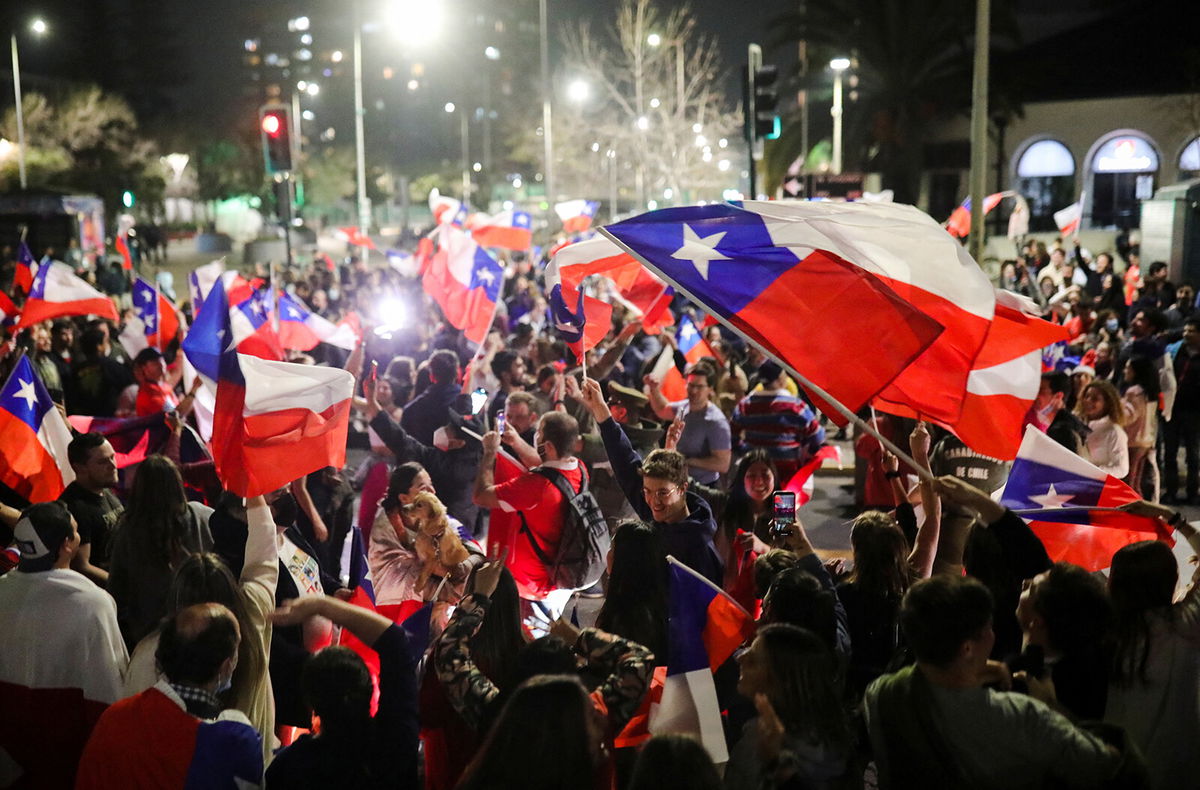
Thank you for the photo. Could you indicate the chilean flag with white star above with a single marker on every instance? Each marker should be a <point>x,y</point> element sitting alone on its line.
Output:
<point>33,438</point>
<point>465,281</point>
<point>863,299</point>
<point>1067,502</point>
<point>154,324</point>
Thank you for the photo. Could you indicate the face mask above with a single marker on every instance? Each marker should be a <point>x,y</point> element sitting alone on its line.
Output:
<point>541,451</point>
<point>441,439</point>
<point>1112,325</point>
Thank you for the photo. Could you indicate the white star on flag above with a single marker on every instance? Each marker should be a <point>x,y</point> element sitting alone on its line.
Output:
<point>486,276</point>
<point>293,312</point>
<point>700,249</point>
<point>148,295</point>
<point>1051,498</point>
<point>27,393</point>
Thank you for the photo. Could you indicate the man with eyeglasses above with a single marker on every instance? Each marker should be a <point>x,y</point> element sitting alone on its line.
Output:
<point>706,440</point>
<point>657,489</point>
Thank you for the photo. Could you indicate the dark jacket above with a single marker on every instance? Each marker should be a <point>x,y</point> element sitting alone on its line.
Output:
<point>452,471</point>
<point>691,540</point>
<point>427,412</point>
<point>384,755</point>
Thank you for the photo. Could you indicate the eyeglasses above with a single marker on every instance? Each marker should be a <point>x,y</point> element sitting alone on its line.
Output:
<point>661,494</point>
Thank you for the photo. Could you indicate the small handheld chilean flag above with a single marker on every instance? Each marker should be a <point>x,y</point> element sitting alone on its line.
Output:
<point>576,215</point>
<point>301,329</point>
<point>155,324</point>
<point>57,292</point>
<point>509,230</point>
<point>33,438</point>
<point>1068,503</point>
<point>693,346</point>
<point>585,325</point>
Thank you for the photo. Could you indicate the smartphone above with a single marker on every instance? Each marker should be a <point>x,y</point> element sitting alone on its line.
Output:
<point>783,514</point>
<point>374,374</point>
<point>500,423</point>
<point>479,399</point>
<point>784,505</point>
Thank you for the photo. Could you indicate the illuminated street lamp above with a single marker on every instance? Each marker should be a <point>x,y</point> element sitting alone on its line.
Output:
<point>37,27</point>
<point>578,91</point>
<point>839,66</point>
<point>414,22</point>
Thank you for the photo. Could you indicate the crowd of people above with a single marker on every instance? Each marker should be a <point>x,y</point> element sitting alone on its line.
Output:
<point>161,632</point>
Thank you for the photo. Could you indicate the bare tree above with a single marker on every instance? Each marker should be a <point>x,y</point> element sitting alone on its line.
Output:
<point>654,101</point>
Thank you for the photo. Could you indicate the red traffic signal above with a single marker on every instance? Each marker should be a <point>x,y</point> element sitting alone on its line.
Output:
<point>271,124</point>
<point>275,123</point>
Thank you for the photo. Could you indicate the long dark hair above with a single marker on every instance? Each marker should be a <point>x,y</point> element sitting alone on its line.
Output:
<point>805,685</point>
<point>635,603</point>
<point>157,518</point>
<point>1145,375</point>
<point>205,578</point>
<point>880,556</point>
<point>499,640</point>
<point>739,511</point>
<point>542,740</point>
<point>1141,582</point>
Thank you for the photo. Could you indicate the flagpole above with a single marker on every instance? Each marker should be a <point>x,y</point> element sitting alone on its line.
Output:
<point>850,416</point>
<point>1070,509</point>
<point>671,559</point>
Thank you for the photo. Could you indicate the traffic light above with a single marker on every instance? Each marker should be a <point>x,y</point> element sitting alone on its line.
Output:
<point>766,100</point>
<point>275,124</point>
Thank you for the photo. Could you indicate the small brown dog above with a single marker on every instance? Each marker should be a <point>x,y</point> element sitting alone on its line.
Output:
<point>438,546</point>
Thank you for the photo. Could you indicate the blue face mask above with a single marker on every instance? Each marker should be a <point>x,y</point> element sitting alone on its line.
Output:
<point>1112,325</point>
<point>225,684</point>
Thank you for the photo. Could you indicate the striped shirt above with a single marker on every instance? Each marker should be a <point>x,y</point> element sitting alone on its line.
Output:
<point>779,422</point>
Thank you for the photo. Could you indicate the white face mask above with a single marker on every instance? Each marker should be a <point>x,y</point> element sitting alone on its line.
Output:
<point>441,439</point>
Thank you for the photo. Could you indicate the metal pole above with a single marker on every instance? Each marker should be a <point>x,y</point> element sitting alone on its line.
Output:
<point>753,63</point>
<point>979,128</point>
<point>297,146</point>
<point>837,122</point>
<point>466,156</point>
<point>547,132</point>
<point>16,66</point>
<point>364,211</point>
<point>612,185</point>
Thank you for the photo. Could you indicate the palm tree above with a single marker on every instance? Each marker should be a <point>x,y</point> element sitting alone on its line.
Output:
<point>912,64</point>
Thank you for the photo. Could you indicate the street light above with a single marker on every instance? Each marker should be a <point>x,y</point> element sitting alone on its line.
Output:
<point>578,91</point>
<point>839,66</point>
<point>654,39</point>
<point>38,27</point>
<point>415,21</point>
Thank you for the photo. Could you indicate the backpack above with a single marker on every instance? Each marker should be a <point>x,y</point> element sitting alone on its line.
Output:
<point>583,546</point>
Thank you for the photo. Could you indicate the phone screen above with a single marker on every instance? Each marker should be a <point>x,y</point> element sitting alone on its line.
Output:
<point>479,399</point>
<point>500,423</point>
<point>784,505</point>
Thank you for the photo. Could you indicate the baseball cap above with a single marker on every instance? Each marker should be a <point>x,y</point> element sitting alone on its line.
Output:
<point>40,530</point>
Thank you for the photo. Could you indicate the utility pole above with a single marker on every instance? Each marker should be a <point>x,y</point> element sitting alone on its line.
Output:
<point>979,129</point>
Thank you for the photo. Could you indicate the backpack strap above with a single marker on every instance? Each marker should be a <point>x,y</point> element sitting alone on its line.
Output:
<point>559,481</point>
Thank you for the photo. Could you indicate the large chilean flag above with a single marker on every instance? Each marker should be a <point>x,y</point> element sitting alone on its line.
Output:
<point>57,292</point>
<point>273,421</point>
<point>1068,503</point>
<point>509,230</point>
<point>33,438</point>
<point>465,281</point>
<point>820,284</point>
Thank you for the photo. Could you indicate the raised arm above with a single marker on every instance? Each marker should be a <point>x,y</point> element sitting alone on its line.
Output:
<point>625,461</point>
<point>925,546</point>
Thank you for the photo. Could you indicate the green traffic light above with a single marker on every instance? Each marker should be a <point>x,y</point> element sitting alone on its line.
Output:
<point>776,129</point>
<point>127,199</point>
